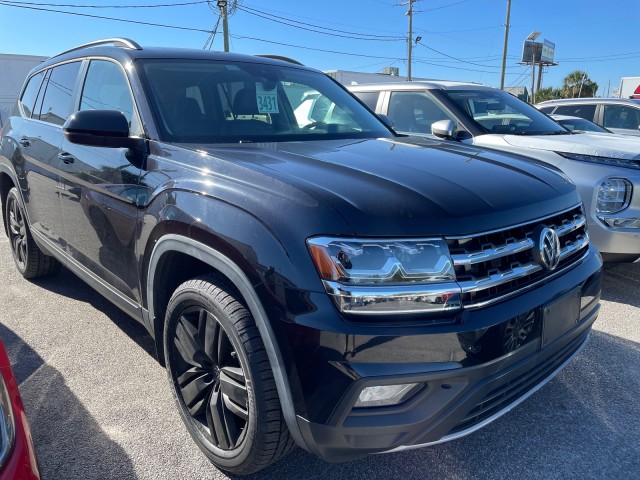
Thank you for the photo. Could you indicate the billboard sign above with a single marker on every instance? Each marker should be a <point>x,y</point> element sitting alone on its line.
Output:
<point>531,52</point>
<point>548,51</point>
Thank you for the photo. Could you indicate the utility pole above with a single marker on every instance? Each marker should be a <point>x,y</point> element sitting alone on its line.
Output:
<point>410,40</point>
<point>410,35</point>
<point>222,4</point>
<point>506,42</point>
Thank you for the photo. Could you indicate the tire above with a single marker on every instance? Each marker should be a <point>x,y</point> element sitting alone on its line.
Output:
<point>30,260</point>
<point>221,377</point>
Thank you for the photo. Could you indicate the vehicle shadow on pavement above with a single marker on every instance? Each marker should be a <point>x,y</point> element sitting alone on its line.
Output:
<point>69,443</point>
<point>584,424</point>
<point>69,285</point>
<point>622,284</point>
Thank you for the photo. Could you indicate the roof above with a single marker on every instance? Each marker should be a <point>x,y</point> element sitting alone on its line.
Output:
<point>590,100</point>
<point>125,52</point>
<point>432,85</point>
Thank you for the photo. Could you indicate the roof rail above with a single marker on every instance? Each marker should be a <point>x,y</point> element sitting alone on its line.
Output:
<point>116,42</point>
<point>280,57</point>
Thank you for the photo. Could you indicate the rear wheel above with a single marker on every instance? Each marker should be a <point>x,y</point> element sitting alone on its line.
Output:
<point>30,260</point>
<point>221,377</point>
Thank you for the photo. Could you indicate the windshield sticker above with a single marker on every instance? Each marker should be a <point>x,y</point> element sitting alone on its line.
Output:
<point>267,99</point>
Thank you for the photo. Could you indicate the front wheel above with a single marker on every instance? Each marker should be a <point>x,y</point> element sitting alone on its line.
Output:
<point>221,377</point>
<point>30,260</point>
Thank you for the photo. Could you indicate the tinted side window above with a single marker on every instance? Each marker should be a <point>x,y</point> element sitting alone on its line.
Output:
<point>583,111</point>
<point>28,99</point>
<point>415,112</point>
<point>546,110</point>
<point>370,99</point>
<point>620,116</point>
<point>56,103</point>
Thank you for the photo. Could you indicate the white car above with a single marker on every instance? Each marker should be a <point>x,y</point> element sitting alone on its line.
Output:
<point>605,168</point>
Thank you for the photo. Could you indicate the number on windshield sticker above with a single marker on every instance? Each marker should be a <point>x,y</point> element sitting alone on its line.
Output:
<point>267,99</point>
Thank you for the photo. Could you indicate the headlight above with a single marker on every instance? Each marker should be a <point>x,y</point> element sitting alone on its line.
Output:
<point>618,162</point>
<point>614,195</point>
<point>386,276</point>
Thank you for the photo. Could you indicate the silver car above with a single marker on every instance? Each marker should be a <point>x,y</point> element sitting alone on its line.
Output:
<point>604,167</point>
<point>620,115</point>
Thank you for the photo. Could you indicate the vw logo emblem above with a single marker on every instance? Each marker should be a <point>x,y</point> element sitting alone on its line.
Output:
<point>547,249</point>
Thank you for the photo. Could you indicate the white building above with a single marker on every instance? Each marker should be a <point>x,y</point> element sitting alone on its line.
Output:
<point>13,71</point>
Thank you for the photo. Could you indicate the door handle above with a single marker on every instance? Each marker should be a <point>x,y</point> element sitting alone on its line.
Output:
<point>24,141</point>
<point>66,158</point>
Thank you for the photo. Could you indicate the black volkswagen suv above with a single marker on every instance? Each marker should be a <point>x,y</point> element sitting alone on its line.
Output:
<point>312,281</point>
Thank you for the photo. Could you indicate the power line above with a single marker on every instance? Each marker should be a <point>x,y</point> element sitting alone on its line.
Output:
<point>445,6</point>
<point>455,58</point>
<point>68,5</point>
<point>324,30</point>
<point>244,37</point>
<point>7,4</point>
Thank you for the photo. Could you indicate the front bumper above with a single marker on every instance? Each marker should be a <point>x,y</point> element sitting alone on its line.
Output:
<point>466,381</point>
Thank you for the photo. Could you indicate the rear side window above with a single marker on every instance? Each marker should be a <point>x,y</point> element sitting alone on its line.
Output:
<point>546,110</point>
<point>620,116</point>
<point>56,104</point>
<point>583,111</point>
<point>28,99</point>
<point>370,99</point>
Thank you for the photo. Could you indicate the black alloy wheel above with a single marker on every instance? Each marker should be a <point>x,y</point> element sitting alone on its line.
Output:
<point>30,260</point>
<point>211,380</point>
<point>221,377</point>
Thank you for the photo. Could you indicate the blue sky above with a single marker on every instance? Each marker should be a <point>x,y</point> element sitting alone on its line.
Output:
<point>461,39</point>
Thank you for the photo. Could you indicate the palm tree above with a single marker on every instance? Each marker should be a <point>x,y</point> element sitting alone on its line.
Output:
<point>578,84</point>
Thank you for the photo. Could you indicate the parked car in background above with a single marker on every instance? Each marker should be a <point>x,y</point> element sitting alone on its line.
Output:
<point>17,455</point>
<point>605,168</point>
<point>577,124</point>
<point>620,115</point>
<point>308,276</point>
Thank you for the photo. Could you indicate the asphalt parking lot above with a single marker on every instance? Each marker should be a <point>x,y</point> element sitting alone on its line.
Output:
<point>100,406</point>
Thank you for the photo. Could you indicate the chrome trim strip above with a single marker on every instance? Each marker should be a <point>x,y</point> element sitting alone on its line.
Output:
<point>499,278</point>
<point>496,415</point>
<point>535,220</point>
<point>379,299</point>
<point>512,248</point>
<point>571,226</point>
<point>574,247</point>
<point>491,253</point>
<point>554,274</point>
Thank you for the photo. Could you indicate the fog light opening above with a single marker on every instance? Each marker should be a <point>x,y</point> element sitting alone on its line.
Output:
<point>386,395</point>
<point>620,222</point>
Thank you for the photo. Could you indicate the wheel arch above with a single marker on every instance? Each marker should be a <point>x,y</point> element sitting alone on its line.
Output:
<point>6,184</point>
<point>203,258</point>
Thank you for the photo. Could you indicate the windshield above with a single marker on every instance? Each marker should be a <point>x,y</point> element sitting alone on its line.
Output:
<point>496,111</point>
<point>204,101</point>
<point>580,125</point>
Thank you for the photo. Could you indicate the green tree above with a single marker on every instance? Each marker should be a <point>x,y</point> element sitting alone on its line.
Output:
<point>548,93</point>
<point>578,84</point>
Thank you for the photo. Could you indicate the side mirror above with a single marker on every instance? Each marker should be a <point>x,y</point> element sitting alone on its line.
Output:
<point>443,129</point>
<point>101,128</point>
<point>386,120</point>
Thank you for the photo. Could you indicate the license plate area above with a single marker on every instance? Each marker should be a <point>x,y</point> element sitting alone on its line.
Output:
<point>560,316</point>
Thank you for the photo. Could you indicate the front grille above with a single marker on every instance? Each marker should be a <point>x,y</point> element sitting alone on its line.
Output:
<point>492,265</point>
<point>507,393</point>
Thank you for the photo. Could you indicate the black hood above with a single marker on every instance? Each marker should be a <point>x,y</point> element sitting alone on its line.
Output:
<point>392,187</point>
